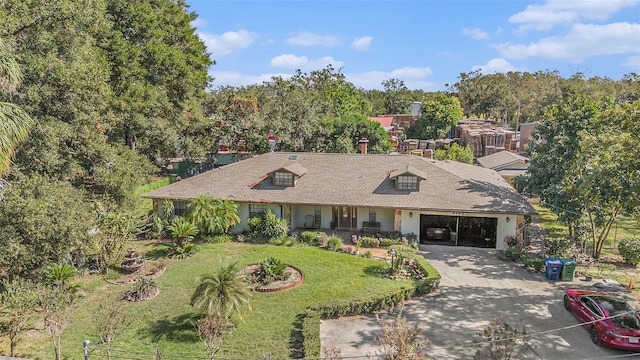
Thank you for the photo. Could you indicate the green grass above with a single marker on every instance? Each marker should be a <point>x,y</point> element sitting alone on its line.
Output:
<point>623,227</point>
<point>145,205</point>
<point>167,319</point>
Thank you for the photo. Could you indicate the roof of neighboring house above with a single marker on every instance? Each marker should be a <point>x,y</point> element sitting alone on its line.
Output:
<point>383,120</point>
<point>500,160</point>
<point>355,180</point>
<point>512,173</point>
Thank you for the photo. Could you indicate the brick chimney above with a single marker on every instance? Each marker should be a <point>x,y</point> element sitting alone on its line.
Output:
<point>363,146</point>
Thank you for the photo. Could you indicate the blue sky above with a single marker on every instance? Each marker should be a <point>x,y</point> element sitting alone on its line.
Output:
<point>426,44</point>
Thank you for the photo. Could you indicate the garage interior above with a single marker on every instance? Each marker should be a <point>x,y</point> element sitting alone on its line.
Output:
<point>458,231</point>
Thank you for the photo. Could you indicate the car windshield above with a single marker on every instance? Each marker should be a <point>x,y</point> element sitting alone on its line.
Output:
<point>622,314</point>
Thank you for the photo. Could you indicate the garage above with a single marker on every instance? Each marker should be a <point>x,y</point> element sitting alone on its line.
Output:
<point>458,230</point>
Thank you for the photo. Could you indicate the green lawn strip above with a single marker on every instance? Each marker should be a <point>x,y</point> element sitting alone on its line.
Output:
<point>144,205</point>
<point>167,319</point>
<point>623,227</point>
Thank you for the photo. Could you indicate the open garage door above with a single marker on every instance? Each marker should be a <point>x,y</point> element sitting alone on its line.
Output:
<point>458,230</point>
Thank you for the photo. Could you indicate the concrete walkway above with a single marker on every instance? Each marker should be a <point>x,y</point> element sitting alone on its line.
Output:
<point>476,285</point>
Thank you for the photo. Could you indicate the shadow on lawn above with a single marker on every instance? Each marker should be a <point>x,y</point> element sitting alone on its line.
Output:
<point>376,271</point>
<point>179,329</point>
<point>158,251</point>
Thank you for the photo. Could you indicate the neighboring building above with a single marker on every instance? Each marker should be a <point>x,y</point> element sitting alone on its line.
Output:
<point>509,165</point>
<point>441,201</point>
<point>527,137</point>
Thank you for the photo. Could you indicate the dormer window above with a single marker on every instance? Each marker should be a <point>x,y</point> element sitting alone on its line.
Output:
<point>407,183</point>
<point>407,179</point>
<point>282,178</point>
<point>288,175</point>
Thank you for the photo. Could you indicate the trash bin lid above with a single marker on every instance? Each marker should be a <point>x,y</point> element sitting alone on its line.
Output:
<point>568,262</point>
<point>553,261</point>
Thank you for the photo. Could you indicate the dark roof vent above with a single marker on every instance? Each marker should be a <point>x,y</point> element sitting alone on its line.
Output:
<point>293,157</point>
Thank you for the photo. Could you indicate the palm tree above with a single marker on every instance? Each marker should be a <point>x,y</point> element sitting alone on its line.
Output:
<point>201,211</point>
<point>228,212</point>
<point>14,122</point>
<point>222,294</point>
<point>182,232</point>
<point>212,215</point>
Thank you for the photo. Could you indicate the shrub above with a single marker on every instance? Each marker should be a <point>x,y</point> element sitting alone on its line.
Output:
<point>309,238</point>
<point>218,239</point>
<point>629,248</point>
<point>284,241</point>
<point>266,227</point>
<point>560,248</point>
<point>334,243</point>
<point>503,341</point>
<point>142,290</point>
<point>513,254</point>
<point>368,241</point>
<point>386,242</point>
<point>271,269</point>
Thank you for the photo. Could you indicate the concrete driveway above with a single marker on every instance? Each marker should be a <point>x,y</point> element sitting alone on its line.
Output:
<point>476,285</point>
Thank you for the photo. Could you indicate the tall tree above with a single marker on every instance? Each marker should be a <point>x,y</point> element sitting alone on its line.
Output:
<point>396,100</point>
<point>158,74</point>
<point>439,112</point>
<point>14,122</point>
<point>42,222</point>
<point>584,169</point>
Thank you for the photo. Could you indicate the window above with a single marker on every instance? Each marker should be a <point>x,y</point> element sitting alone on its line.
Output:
<point>372,215</point>
<point>179,208</point>
<point>283,179</point>
<point>407,183</point>
<point>257,209</point>
<point>317,215</point>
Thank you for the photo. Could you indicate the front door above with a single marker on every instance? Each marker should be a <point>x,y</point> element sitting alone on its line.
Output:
<point>347,217</point>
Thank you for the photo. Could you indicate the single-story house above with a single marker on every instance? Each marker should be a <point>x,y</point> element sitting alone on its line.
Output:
<point>509,165</point>
<point>443,202</point>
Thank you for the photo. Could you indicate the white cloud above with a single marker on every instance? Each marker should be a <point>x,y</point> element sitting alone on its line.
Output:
<point>289,61</point>
<point>230,41</point>
<point>556,12</point>
<point>361,43</point>
<point>633,63</point>
<point>496,65</point>
<point>310,39</point>
<point>322,63</point>
<point>198,22</point>
<point>413,77</point>
<point>582,41</point>
<point>475,33</point>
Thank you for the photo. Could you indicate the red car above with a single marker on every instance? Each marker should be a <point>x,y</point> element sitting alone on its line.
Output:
<point>611,320</point>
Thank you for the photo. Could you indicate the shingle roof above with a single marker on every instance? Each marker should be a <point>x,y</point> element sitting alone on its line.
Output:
<point>500,159</point>
<point>355,180</point>
<point>296,169</point>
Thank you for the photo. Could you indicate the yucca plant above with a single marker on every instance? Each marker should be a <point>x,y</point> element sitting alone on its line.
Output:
<point>59,275</point>
<point>182,232</point>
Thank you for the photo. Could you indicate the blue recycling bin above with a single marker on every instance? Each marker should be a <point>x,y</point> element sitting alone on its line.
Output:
<point>553,267</point>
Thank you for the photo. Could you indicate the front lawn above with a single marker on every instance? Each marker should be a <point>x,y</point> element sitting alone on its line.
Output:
<point>166,321</point>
